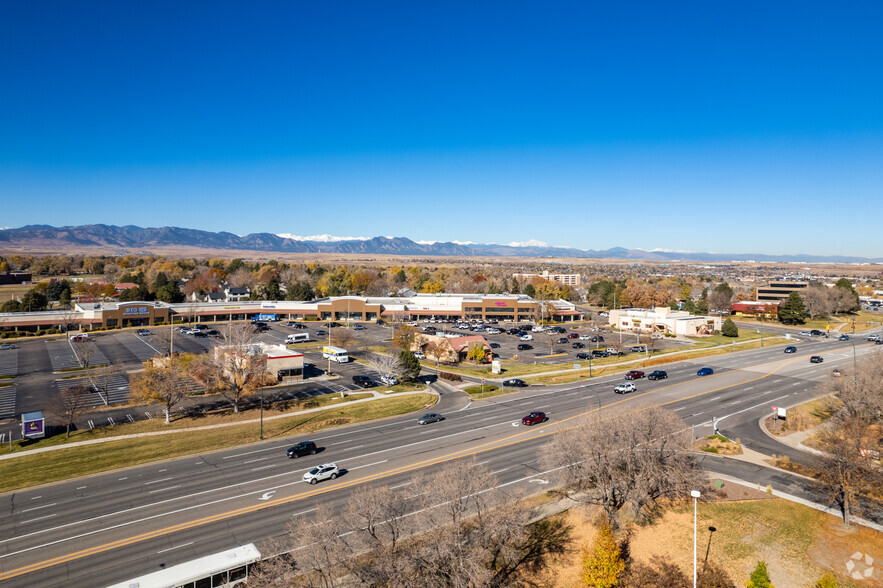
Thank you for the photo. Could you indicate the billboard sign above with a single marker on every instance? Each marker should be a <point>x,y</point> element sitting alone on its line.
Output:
<point>32,425</point>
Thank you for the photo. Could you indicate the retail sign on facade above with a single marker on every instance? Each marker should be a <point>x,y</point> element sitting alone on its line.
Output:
<point>135,310</point>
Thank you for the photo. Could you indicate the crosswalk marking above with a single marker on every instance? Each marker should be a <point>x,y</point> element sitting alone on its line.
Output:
<point>7,402</point>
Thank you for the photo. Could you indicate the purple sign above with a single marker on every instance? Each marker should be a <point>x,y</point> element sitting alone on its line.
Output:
<point>32,425</point>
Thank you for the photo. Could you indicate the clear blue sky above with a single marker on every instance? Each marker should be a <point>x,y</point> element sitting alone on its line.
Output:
<point>708,126</point>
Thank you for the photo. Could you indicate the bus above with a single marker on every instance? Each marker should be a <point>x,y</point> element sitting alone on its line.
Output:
<point>227,569</point>
<point>337,354</point>
<point>297,338</point>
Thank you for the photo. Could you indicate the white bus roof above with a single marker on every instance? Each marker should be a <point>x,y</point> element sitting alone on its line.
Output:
<point>195,569</point>
<point>334,349</point>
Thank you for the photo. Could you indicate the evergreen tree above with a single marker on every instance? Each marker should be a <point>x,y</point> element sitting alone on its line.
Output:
<point>170,292</point>
<point>33,301</point>
<point>529,290</point>
<point>299,291</point>
<point>759,578</point>
<point>603,567</point>
<point>410,364</point>
<point>729,329</point>
<point>400,277</point>
<point>793,311</point>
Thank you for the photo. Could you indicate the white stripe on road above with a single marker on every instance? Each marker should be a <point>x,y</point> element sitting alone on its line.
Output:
<point>175,547</point>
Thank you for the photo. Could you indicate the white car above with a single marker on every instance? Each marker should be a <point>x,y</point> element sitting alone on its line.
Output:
<point>538,329</point>
<point>585,337</point>
<point>493,331</point>
<point>527,337</point>
<point>625,388</point>
<point>873,337</point>
<point>389,380</point>
<point>419,355</point>
<point>412,324</point>
<point>325,471</point>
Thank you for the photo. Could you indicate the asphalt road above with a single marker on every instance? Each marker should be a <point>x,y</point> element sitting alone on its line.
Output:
<point>125,523</point>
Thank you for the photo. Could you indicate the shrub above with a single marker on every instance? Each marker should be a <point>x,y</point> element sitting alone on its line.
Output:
<point>729,329</point>
<point>450,376</point>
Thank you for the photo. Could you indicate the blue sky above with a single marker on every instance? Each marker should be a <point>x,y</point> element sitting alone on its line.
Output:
<point>704,126</point>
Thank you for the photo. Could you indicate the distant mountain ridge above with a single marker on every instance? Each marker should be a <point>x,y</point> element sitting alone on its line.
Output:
<point>129,237</point>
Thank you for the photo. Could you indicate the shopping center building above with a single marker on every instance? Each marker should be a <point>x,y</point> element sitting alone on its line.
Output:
<point>506,307</point>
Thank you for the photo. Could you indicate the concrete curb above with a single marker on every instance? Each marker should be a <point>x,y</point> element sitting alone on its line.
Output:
<point>375,396</point>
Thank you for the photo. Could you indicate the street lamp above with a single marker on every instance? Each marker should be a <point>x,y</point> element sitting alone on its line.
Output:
<point>695,494</point>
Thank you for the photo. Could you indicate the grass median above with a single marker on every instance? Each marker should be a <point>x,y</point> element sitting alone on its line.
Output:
<point>53,466</point>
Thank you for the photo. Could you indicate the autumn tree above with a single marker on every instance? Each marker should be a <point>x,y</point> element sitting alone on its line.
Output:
<point>404,337</point>
<point>603,565</point>
<point>231,369</point>
<point>164,381</point>
<point>68,404</point>
<point>476,352</point>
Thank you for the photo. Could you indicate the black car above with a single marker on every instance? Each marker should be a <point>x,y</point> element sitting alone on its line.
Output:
<point>511,331</point>
<point>843,338</point>
<point>577,345</point>
<point>301,449</point>
<point>816,359</point>
<point>791,349</point>
<point>524,347</point>
<point>600,353</point>
<point>260,328</point>
<point>494,345</point>
<point>563,340</point>
<point>364,382</point>
<point>657,375</point>
<point>359,328</point>
<point>200,333</point>
<point>818,333</point>
<point>514,383</point>
<point>213,333</point>
<point>321,332</point>
<point>582,355</point>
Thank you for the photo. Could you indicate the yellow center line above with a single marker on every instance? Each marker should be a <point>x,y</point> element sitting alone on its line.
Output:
<point>489,446</point>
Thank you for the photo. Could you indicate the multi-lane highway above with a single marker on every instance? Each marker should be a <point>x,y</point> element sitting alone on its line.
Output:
<point>114,526</point>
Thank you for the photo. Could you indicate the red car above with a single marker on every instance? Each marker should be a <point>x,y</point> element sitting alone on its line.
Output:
<point>634,375</point>
<point>534,418</point>
<point>573,336</point>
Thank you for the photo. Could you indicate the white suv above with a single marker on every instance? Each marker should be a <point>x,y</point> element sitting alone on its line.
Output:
<point>527,337</point>
<point>321,472</point>
<point>873,337</point>
<point>389,380</point>
<point>625,388</point>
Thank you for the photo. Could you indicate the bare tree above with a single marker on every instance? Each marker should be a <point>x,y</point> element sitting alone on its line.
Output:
<point>847,472</point>
<point>318,548</point>
<point>615,459</point>
<point>343,338</point>
<point>67,318</point>
<point>387,365</point>
<point>69,403</point>
<point>103,377</point>
<point>816,301</point>
<point>230,370</point>
<point>862,394</point>
<point>164,380</point>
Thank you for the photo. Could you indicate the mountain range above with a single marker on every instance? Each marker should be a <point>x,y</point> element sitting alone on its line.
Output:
<point>132,238</point>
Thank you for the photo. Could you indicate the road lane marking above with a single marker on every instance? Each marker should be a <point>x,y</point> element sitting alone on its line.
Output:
<point>38,507</point>
<point>36,497</point>
<point>272,465</point>
<point>34,520</point>
<point>164,489</point>
<point>175,547</point>
<point>254,460</point>
<point>157,481</point>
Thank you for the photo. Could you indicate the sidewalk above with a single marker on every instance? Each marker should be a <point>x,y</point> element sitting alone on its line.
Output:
<point>374,396</point>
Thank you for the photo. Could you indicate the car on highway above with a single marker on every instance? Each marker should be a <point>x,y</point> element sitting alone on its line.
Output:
<point>818,333</point>
<point>430,417</point>
<point>7,346</point>
<point>634,375</point>
<point>301,449</point>
<point>657,375</point>
<point>873,337</point>
<point>524,347</point>
<point>625,388</point>
<point>142,332</point>
<point>791,349</point>
<point>600,353</point>
<point>816,359</point>
<point>843,338</point>
<point>706,371</point>
<point>534,418</point>
<point>359,327</point>
<point>577,345</point>
<point>325,471</point>
<point>805,334</point>
<point>389,380</point>
<point>514,383</point>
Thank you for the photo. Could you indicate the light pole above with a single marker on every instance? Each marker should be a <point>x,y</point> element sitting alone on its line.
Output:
<point>695,494</point>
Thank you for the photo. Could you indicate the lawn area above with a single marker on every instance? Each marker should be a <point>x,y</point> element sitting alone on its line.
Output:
<point>799,544</point>
<point>804,416</point>
<point>78,461</point>
<point>485,391</point>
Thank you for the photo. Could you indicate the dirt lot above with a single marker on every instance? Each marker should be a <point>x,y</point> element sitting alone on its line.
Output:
<point>798,544</point>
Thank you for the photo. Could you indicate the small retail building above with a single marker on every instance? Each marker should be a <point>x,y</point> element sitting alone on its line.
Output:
<point>664,320</point>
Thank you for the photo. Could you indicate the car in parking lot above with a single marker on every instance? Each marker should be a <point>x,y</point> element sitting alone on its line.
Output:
<point>321,332</point>
<point>419,355</point>
<point>142,332</point>
<point>524,347</point>
<point>585,337</point>
<point>527,337</point>
<point>879,342</point>
<point>706,371</point>
<point>430,417</point>
<point>512,331</point>
<point>562,340</point>
<point>843,338</point>
<point>634,375</point>
<point>261,328</point>
<point>816,359</point>
<point>213,333</point>
<point>534,418</point>
<point>625,388</point>
<point>577,345</point>
<point>583,355</point>
<point>573,335</point>
<point>805,334</point>
<point>514,383</point>
<point>358,327</point>
<point>7,346</point>
<point>818,333</point>
<point>494,345</point>
<point>364,381</point>
<point>325,471</point>
<point>294,325</point>
<point>791,349</point>
<point>389,380</point>
<point>657,375</point>
<point>79,337</point>
<point>204,333</point>
<point>301,449</point>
